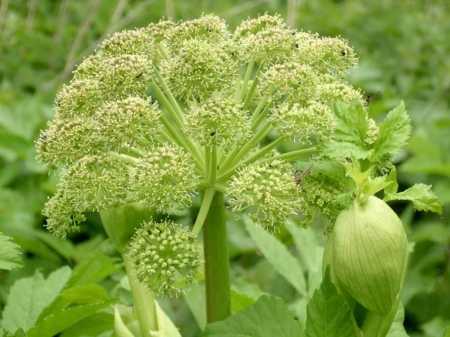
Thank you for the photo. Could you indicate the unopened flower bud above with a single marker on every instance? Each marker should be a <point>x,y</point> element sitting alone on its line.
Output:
<point>165,267</point>
<point>369,254</point>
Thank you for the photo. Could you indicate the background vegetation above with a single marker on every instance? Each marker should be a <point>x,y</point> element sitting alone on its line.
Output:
<point>404,48</point>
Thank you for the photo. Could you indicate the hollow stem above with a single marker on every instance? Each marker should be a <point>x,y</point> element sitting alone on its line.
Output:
<point>217,277</point>
<point>144,302</point>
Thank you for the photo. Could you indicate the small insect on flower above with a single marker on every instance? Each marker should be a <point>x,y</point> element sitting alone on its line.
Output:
<point>166,256</point>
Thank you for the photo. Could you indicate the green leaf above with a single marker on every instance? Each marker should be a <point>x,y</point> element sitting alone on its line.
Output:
<point>328,314</point>
<point>82,294</point>
<point>310,252</point>
<point>92,269</point>
<point>58,321</point>
<point>10,254</point>
<point>420,195</point>
<point>278,256</point>
<point>351,133</point>
<point>92,326</point>
<point>240,301</point>
<point>393,134</point>
<point>268,317</point>
<point>195,299</point>
<point>29,297</point>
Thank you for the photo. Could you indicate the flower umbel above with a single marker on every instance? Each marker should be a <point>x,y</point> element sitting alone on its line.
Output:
<point>166,112</point>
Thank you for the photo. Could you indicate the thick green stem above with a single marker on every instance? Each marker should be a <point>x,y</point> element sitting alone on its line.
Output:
<point>217,277</point>
<point>144,302</point>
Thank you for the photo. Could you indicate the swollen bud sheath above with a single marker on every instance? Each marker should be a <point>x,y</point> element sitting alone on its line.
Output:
<point>369,254</point>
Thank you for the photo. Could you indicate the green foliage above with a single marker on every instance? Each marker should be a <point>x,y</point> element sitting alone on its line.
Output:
<point>29,297</point>
<point>10,254</point>
<point>328,313</point>
<point>278,256</point>
<point>421,197</point>
<point>269,316</point>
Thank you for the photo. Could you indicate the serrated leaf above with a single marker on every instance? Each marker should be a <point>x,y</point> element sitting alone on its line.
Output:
<point>328,314</point>
<point>278,256</point>
<point>349,139</point>
<point>268,317</point>
<point>28,298</point>
<point>394,133</point>
<point>10,254</point>
<point>60,320</point>
<point>420,195</point>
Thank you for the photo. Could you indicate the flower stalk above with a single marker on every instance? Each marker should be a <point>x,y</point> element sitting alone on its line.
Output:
<point>144,302</point>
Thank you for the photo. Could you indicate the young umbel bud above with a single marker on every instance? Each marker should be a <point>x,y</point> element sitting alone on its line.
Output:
<point>369,254</point>
<point>165,255</point>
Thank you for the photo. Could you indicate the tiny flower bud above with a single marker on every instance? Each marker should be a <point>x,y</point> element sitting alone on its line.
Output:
<point>165,268</point>
<point>198,69</point>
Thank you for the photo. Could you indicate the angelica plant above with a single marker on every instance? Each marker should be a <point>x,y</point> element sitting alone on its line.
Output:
<point>161,115</point>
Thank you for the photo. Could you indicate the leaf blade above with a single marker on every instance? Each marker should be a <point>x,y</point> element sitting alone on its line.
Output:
<point>278,256</point>
<point>10,254</point>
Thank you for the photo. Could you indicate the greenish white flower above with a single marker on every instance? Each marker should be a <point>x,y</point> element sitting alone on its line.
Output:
<point>118,76</point>
<point>198,69</point>
<point>91,184</point>
<point>325,54</point>
<point>164,178</point>
<point>220,120</point>
<point>267,191</point>
<point>264,39</point>
<point>79,98</point>
<point>128,42</point>
<point>208,27</point>
<point>309,124</point>
<point>330,92</point>
<point>289,82</point>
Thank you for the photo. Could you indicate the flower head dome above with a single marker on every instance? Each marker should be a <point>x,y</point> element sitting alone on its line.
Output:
<point>166,112</point>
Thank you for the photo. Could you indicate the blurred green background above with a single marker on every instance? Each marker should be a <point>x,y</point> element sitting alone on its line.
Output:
<point>404,48</point>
